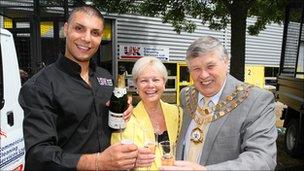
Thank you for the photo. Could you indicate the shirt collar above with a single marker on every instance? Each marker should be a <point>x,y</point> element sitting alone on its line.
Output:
<point>214,98</point>
<point>72,68</point>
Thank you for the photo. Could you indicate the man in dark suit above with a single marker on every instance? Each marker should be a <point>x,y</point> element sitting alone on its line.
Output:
<point>227,124</point>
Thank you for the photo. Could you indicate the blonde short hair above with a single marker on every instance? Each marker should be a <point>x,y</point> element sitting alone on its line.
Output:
<point>146,61</point>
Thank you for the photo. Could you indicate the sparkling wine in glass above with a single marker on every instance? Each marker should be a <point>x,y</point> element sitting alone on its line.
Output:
<point>167,160</point>
<point>126,139</point>
<point>167,149</point>
<point>150,143</point>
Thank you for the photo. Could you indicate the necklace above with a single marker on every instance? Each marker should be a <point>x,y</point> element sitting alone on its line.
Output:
<point>157,120</point>
<point>210,114</point>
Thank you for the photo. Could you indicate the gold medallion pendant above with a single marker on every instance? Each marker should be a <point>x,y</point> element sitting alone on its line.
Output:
<point>197,135</point>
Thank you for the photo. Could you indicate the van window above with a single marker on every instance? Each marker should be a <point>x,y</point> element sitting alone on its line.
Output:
<point>1,81</point>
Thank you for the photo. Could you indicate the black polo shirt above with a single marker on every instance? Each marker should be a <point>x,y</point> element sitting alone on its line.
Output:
<point>64,116</point>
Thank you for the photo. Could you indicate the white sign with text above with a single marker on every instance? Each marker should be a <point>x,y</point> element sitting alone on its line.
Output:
<point>132,51</point>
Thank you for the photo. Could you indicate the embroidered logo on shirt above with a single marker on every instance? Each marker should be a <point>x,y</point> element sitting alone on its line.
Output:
<point>105,81</point>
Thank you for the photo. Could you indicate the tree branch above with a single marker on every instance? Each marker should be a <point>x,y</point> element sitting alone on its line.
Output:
<point>227,4</point>
<point>250,2</point>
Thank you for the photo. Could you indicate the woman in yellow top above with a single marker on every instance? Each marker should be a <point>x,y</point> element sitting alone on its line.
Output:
<point>151,116</point>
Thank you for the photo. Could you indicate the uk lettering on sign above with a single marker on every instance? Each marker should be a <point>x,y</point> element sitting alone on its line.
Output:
<point>132,51</point>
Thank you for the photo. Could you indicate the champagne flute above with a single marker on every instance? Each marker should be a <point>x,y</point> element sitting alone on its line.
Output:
<point>150,143</point>
<point>120,133</point>
<point>124,139</point>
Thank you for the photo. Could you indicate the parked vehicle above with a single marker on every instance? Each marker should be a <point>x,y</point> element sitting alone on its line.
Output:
<point>290,85</point>
<point>11,134</point>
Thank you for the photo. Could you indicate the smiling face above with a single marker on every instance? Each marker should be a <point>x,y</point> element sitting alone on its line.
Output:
<point>83,36</point>
<point>150,84</point>
<point>208,72</point>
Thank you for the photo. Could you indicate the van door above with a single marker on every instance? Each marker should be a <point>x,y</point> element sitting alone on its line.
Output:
<point>11,134</point>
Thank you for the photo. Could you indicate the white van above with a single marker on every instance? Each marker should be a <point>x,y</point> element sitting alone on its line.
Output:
<point>11,134</point>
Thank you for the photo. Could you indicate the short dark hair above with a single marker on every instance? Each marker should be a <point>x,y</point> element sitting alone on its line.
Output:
<point>86,9</point>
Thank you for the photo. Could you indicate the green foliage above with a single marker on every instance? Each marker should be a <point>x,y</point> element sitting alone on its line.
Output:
<point>116,6</point>
<point>179,13</point>
<point>267,11</point>
<point>216,13</point>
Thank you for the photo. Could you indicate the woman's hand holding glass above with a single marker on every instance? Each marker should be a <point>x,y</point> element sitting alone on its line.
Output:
<point>145,157</point>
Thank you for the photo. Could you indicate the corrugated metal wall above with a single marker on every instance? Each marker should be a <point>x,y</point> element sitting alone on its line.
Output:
<point>151,31</point>
<point>264,49</point>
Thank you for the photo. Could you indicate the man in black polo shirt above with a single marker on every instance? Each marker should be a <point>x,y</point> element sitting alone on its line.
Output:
<point>65,106</point>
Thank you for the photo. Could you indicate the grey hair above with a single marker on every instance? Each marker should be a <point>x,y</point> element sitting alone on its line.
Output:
<point>90,10</point>
<point>205,45</point>
<point>146,61</point>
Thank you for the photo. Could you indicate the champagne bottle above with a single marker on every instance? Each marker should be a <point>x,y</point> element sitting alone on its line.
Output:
<point>118,103</point>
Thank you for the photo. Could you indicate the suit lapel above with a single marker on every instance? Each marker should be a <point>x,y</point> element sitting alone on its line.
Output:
<point>215,126</point>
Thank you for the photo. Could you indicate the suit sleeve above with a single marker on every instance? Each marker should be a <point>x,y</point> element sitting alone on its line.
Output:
<point>184,126</point>
<point>258,147</point>
<point>40,135</point>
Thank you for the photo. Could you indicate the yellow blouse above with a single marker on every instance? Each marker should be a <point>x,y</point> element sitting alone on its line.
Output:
<point>140,123</point>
